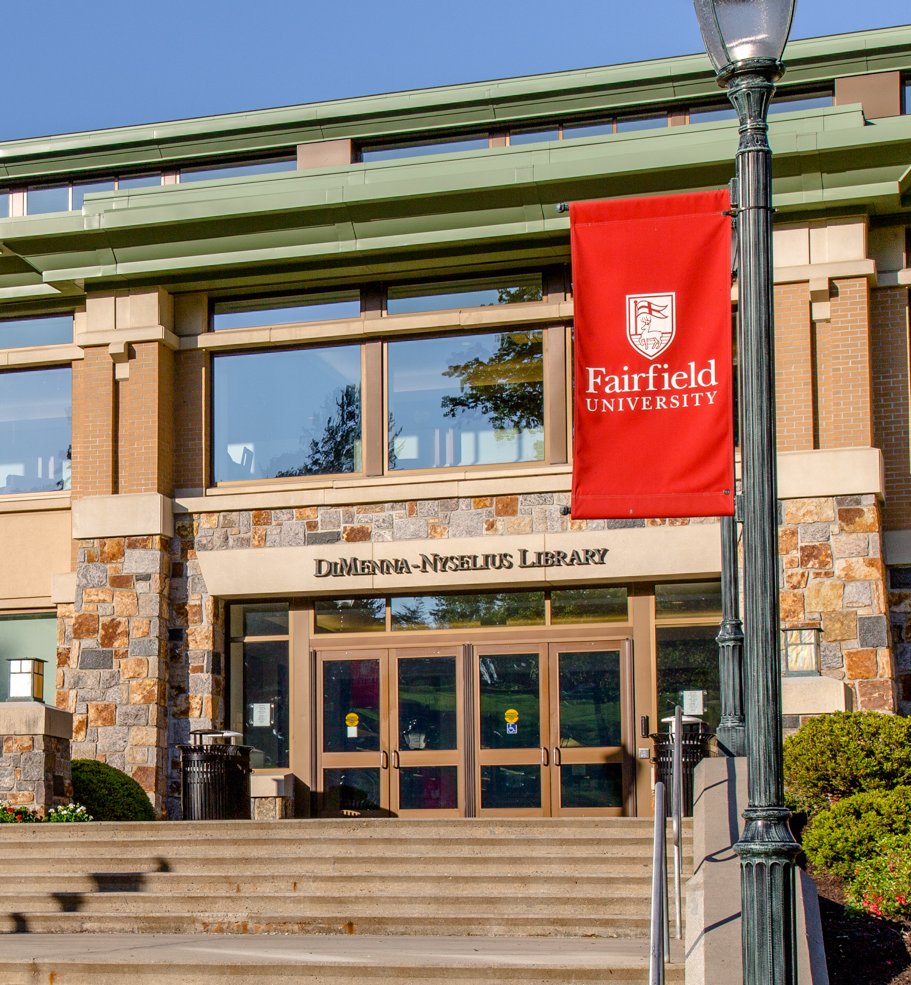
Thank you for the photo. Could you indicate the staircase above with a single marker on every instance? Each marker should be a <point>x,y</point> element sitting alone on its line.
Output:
<point>454,880</point>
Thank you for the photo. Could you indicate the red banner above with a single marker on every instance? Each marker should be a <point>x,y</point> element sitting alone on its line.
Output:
<point>653,427</point>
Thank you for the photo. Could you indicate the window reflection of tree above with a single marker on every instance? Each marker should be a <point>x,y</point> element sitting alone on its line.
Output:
<point>507,388</point>
<point>334,450</point>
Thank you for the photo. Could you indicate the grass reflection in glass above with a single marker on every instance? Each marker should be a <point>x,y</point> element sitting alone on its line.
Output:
<point>607,604</point>
<point>687,659</point>
<point>468,611</point>
<point>591,785</point>
<point>510,787</point>
<point>350,615</point>
<point>688,599</point>
<point>427,703</point>
<point>510,682</point>
<point>351,694</point>
<point>590,699</point>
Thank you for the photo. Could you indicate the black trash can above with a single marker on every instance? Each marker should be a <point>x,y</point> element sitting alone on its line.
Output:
<point>215,782</point>
<point>694,748</point>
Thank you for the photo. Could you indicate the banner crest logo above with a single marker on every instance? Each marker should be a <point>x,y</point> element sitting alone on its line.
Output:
<point>650,322</point>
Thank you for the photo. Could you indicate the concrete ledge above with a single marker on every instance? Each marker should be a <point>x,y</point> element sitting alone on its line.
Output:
<point>63,588</point>
<point>815,696</point>
<point>271,785</point>
<point>713,908</point>
<point>34,718</point>
<point>133,515</point>
<point>830,472</point>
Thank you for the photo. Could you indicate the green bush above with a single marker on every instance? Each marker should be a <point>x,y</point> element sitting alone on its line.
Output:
<point>846,835</point>
<point>11,814</point>
<point>882,883</point>
<point>835,756</point>
<point>108,794</point>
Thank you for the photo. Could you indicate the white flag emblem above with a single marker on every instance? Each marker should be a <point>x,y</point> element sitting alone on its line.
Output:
<point>650,322</point>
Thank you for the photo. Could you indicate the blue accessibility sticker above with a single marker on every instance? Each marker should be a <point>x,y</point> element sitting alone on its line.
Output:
<point>512,728</point>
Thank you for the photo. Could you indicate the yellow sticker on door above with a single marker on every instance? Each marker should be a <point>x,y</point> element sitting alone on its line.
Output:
<point>351,719</point>
<point>511,716</point>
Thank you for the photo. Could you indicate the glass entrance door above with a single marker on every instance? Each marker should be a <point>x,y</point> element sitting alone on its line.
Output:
<point>389,728</point>
<point>590,704</point>
<point>513,733</point>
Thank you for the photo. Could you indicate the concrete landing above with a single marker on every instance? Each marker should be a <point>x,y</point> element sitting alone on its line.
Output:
<point>194,959</point>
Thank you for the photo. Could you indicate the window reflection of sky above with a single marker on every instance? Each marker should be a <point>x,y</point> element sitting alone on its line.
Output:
<point>35,430</point>
<point>286,315</point>
<point>269,406</point>
<point>424,436</point>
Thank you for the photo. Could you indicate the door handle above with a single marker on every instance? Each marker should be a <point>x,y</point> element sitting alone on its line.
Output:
<point>544,755</point>
<point>558,759</point>
<point>384,760</point>
<point>395,758</point>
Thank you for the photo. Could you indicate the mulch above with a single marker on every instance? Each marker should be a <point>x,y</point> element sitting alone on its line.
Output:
<point>861,950</point>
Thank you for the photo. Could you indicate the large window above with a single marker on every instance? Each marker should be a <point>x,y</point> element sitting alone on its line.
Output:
<point>687,658</point>
<point>466,400</point>
<point>292,309</point>
<point>287,413</point>
<point>35,430</point>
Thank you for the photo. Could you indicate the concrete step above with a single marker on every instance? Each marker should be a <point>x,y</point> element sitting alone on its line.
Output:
<point>106,959</point>
<point>480,924</point>
<point>313,904</point>
<point>518,866</point>
<point>354,884</point>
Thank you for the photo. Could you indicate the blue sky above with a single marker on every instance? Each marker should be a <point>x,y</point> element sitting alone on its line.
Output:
<point>98,63</point>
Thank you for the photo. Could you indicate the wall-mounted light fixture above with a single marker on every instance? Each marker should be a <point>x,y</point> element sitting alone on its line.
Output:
<point>801,652</point>
<point>26,679</point>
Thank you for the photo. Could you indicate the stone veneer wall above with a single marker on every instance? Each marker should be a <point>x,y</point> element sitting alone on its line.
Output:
<point>35,771</point>
<point>833,577</point>
<point>112,666</point>
<point>141,653</point>
<point>412,520</point>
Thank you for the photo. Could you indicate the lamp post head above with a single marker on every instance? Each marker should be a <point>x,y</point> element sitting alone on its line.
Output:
<point>745,35</point>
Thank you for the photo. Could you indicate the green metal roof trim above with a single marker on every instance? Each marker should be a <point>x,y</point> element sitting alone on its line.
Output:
<point>445,109</point>
<point>457,211</point>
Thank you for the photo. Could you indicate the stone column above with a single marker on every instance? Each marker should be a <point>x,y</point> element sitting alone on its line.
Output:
<point>35,762</point>
<point>113,663</point>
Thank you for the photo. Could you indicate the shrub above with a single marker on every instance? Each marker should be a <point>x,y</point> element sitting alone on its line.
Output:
<point>835,756</point>
<point>108,794</point>
<point>846,835</point>
<point>13,814</point>
<point>882,883</point>
<point>68,815</point>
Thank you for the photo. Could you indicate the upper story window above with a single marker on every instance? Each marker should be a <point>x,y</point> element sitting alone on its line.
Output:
<point>237,170</point>
<point>466,400</point>
<point>22,332</point>
<point>405,299</point>
<point>423,149</point>
<point>293,309</point>
<point>287,413</point>
<point>36,413</point>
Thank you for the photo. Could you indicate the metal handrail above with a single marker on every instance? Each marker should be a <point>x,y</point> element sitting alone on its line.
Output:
<point>659,942</point>
<point>677,814</point>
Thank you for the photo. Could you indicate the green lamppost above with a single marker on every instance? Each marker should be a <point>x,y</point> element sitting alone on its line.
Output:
<point>745,39</point>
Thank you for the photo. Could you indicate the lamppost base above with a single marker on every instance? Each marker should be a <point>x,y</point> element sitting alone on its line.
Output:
<point>732,738</point>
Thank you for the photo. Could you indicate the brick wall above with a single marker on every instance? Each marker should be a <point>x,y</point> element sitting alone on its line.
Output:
<point>892,399</point>
<point>190,401</point>
<point>843,369</point>
<point>145,423</point>
<point>93,424</point>
<point>793,367</point>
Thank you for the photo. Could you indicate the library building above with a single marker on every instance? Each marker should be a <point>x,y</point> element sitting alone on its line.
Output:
<point>286,435</point>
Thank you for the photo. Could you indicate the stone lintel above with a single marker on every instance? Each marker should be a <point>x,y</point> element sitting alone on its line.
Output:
<point>129,515</point>
<point>34,718</point>
<point>815,696</point>
<point>831,472</point>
